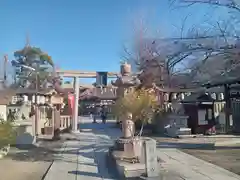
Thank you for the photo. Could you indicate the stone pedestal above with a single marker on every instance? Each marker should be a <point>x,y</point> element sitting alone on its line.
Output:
<point>24,133</point>
<point>152,169</point>
<point>145,151</point>
<point>131,148</point>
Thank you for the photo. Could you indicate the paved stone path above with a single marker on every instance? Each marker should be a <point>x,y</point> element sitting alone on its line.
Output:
<point>83,157</point>
<point>188,167</point>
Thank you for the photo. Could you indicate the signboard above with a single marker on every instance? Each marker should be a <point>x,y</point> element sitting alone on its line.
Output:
<point>56,99</point>
<point>101,79</point>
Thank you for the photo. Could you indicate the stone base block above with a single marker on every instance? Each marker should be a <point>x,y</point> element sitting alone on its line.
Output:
<point>184,131</point>
<point>176,132</point>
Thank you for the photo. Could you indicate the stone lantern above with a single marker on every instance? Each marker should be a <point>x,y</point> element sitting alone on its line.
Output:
<point>125,83</point>
<point>130,149</point>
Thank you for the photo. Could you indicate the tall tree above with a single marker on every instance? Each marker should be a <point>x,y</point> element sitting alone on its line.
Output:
<point>159,59</point>
<point>219,43</point>
<point>194,56</point>
<point>30,61</point>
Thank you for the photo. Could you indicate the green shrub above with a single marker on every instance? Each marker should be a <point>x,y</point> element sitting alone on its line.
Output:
<point>141,103</point>
<point>7,133</point>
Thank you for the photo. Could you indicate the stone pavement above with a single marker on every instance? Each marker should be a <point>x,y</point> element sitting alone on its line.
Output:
<point>83,154</point>
<point>188,167</point>
<point>83,157</point>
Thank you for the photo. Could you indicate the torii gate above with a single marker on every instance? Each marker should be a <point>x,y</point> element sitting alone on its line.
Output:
<point>76,75</point>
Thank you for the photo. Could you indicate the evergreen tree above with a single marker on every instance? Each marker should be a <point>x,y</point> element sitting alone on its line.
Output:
<point>40,63</point>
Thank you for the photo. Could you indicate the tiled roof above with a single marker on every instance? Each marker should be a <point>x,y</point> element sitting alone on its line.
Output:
<point>104,93</point>
<point>202,96</point>
<point>231,77</point>
<point>32,91</point>
<point>196,97</point>
<point>81,86</point>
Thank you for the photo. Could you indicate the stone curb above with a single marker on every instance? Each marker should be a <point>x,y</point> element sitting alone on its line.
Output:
<point>227,143</point>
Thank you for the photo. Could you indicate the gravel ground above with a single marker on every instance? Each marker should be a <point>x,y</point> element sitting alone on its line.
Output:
<point>28,163</point>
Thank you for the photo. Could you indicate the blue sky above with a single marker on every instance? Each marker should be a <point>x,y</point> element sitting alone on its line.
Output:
<point>86,34</point>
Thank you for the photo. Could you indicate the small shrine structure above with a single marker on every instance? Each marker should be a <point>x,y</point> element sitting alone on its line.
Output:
<point>37,114</point>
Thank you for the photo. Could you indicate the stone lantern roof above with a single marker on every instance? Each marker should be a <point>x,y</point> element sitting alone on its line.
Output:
<point>126,79</point>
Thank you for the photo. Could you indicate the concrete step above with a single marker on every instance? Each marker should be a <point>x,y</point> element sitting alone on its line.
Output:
<point>45,136</point>
<point>130,170</point>
<point>122,155</point>
<point>124,167</point>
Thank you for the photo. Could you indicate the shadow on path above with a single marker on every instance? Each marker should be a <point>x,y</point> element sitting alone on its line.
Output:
<point>45,152</point>
<point>95,140</point>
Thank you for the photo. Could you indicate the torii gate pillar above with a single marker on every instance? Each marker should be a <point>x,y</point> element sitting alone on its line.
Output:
<point>75,108</point>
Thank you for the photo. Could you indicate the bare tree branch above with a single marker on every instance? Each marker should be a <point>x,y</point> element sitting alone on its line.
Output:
<point>168,58</point>
<point>231,4</point>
